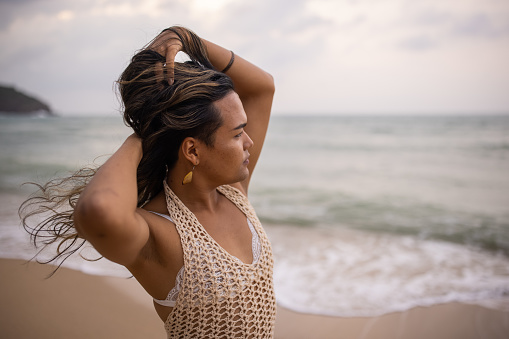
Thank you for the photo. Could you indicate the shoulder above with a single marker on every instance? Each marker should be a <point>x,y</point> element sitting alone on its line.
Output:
<point>159,222</point>
<point>164,240</point>
<point>164,245</point>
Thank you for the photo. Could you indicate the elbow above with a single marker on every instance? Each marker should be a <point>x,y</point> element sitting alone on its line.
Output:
<point>258,89</point>
<point>91,214</point>
<point>86,211</point>
<point>270,85</point>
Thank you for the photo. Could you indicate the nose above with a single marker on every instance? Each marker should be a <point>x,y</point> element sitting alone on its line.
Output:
<point>248,143</point>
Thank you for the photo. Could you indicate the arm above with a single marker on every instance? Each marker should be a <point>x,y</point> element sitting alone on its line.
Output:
<point>255,88</point>
<point>106,212</point>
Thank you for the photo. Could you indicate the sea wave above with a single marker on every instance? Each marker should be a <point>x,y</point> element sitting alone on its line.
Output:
<point>367,215</point>
<point>350,273</point>
<point>343,272</point>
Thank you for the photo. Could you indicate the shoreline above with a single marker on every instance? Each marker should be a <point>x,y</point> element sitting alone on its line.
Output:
<point>78,305</point>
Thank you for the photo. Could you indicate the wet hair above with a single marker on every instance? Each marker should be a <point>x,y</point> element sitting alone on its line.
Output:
<point>161,114</point>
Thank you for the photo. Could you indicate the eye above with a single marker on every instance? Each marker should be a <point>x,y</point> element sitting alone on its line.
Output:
<point>239,135</point>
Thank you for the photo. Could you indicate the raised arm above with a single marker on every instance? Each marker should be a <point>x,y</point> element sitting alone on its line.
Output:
<point>106,212</point>
<point>254,86</point>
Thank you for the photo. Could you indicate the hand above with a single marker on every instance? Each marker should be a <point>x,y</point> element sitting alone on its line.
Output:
<point>168,44</point>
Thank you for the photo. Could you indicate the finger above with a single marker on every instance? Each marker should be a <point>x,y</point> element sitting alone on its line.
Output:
<point>171,53</point>
<point>160,43</point>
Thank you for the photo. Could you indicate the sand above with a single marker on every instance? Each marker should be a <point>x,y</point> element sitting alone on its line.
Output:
<point>75,305</point>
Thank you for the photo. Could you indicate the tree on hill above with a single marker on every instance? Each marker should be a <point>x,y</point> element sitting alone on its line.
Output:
<point>13,101</point>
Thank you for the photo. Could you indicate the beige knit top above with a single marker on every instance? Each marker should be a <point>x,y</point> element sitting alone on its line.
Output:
<point>220,296</point>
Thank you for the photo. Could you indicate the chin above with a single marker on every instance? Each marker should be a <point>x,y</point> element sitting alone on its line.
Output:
<point>240,178</point>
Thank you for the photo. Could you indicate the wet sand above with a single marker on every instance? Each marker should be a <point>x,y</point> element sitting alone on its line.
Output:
<point>75,305</point>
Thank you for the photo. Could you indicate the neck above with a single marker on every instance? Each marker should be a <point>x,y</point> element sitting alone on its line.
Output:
<point>195,195</point>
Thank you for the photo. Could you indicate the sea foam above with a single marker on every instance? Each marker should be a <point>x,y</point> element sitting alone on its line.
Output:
<point>350,273</point>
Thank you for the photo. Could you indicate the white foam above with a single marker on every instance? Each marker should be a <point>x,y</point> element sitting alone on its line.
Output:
<point>346,273</point>
<point>351,273</point>
<point>15,244</point>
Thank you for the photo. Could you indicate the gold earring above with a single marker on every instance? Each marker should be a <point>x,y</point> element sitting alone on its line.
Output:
<point>189,177</point>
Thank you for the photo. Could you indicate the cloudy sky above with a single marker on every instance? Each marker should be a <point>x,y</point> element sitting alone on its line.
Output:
<point>327,56</point>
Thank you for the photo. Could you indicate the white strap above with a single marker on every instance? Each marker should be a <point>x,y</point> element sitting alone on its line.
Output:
<point>162,215</point>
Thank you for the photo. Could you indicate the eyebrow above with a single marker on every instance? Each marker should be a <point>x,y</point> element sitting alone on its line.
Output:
<point>240,126</point>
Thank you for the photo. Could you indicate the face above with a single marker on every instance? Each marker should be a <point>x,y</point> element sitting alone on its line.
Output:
<point>225,162</point>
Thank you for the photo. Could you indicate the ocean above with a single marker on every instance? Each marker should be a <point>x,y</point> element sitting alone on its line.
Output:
<point>367,215</point>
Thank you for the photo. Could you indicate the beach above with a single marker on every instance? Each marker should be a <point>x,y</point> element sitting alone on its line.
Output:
<point>392,227</point>
<point>72,304</point>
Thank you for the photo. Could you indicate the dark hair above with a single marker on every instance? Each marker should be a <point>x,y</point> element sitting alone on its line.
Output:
<point>162,115</point>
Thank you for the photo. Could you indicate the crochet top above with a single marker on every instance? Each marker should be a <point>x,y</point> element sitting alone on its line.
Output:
<point>220,296</point>
<point>172,296</point>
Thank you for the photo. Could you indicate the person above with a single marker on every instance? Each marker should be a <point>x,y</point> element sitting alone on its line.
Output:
<point>171,203</point>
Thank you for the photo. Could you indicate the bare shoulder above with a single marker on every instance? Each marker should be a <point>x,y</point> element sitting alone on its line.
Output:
<point>164,245</point>
<point>162,228</point>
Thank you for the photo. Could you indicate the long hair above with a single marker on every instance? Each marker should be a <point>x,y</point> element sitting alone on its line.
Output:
<point>161,114</point>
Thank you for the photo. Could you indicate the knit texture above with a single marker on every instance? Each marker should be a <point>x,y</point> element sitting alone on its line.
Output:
<point>220,296</point>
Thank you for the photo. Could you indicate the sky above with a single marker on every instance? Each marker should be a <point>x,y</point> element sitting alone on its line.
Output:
<point>327,56</point>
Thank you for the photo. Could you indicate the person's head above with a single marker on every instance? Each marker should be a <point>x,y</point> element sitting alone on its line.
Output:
<point>163,115</point>
<point>226,161</point>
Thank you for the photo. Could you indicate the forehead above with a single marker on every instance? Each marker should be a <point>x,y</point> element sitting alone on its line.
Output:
<point>231,110</point>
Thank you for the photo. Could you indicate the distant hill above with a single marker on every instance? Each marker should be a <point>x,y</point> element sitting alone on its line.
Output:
<point>15,102</point>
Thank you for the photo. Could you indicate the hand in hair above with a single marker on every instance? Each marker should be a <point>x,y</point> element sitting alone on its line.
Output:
<point>168,44</point>
<point>175,39</point>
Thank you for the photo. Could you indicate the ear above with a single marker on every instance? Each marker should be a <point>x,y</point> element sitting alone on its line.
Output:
<point>190,150</point>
